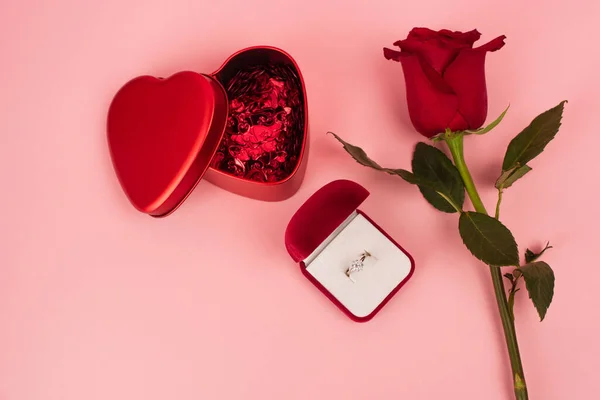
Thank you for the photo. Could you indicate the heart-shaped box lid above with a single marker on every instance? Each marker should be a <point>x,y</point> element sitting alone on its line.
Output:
<point>163,134</point>
<point>321,215</point>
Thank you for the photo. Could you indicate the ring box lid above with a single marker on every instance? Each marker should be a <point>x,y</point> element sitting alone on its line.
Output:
<point>321,215</point>
<point>163,134</point>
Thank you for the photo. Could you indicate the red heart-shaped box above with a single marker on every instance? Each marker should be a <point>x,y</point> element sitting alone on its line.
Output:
<point>163,135</point>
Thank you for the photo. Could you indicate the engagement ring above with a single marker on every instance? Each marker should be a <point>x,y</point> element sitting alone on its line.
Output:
<point>357,265</point>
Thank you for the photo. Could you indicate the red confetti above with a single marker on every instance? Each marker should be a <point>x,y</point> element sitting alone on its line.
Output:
<point>265,127</point>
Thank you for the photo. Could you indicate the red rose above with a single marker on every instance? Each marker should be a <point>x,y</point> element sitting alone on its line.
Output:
<point>445,78</point>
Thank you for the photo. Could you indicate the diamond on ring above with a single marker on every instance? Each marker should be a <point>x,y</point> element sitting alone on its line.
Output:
<point>358,264</point>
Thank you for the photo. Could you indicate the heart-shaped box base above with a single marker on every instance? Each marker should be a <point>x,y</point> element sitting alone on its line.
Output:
<point>163,134</point>
<point>267,191</point>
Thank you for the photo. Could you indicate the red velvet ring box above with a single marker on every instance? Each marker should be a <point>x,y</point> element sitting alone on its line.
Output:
<point>164,134</point>
<point>328,233</point>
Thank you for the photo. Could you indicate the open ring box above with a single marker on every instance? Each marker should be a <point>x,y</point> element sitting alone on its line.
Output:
<point>328,233</point>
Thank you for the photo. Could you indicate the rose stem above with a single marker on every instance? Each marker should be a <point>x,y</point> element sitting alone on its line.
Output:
<point>455,144</point>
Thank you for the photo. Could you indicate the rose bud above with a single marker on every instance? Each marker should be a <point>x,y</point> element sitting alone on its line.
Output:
<point>445,78</point>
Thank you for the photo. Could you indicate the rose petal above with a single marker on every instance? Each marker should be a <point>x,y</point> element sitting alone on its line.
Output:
<point>421,33</point>
<point>435,78</point>
<point>437,49</point>
<point>493,45</point>
<point>468,38</point>
<point>430,52</point>
<point>466,75</point>
<point>390,54</point>
<point>430,109</point>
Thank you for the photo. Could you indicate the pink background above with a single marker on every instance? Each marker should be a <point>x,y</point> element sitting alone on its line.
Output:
<point>98,301</point>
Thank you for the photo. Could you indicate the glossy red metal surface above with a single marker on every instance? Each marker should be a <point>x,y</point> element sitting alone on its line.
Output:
<point>270,191</point>
<point>162,135</point>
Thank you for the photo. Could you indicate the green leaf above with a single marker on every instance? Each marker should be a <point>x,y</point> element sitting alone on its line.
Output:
<point>362,158</point>
<point>439,194</point>
<point>539,280</point>
<point>511,176</point>
<point>491,126</point>
<point>530,256</point>
<point>406,175</point>
<point>516,273</point>
<point>433,166</point>
<point>358,154</point>
<point>436,200</point>
<point>532,140</point>
<point>488,239</point>
<point>510,277</point>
